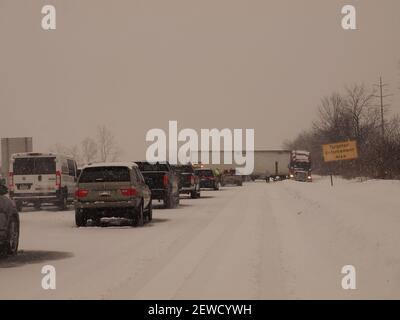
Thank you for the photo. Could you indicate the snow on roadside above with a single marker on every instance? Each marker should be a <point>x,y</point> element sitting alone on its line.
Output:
<point>352,222</point>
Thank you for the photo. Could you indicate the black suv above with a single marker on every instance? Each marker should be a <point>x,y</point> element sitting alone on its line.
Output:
<point>9,224</point>
<point>208,179</point>
<point>112,190</point>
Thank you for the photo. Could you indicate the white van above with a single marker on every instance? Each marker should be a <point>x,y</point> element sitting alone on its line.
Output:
<point>42,178</point>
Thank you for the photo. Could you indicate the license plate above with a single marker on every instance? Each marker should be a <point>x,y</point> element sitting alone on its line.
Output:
<point>24,187</point>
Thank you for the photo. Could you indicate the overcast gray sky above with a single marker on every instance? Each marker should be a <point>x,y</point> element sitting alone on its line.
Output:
<point>133,65</point>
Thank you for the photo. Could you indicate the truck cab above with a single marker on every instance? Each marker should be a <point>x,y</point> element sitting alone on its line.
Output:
<point>300,166</point>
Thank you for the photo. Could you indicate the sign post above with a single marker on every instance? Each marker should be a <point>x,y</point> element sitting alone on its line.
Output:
<point>340,151</point>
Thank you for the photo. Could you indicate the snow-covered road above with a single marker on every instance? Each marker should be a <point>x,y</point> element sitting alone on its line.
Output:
<point>280,240</point>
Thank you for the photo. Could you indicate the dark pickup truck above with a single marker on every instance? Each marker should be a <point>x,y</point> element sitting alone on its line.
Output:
<point>162,181</point>
<point>189,182</point>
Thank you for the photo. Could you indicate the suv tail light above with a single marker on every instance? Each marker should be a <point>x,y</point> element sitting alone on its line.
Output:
<point>58,180</point>
<point>128,192</point>
<point>81,193</point>
<point>165,180</point>
<point>191,180</point>
<point>11,181</point>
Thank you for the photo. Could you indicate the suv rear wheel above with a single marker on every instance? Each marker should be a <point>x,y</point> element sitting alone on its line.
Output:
<point>10,247</point>
<point>13,237</point>
<point>80,218</point>
<point>150,211</point>
<point>138,217</point>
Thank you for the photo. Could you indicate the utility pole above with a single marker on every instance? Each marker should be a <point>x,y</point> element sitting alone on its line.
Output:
<point>382,112</point>
<point>398,77</point>
<point>381,97</point>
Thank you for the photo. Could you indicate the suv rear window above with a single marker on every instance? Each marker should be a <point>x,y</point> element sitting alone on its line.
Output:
<point>146,166</point>
<point>29,166</point>
<point>205,173</point>
<point>184,169</point>
<point>105,174</point>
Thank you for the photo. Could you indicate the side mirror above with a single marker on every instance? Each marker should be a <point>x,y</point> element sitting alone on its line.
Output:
<point>3,190</point>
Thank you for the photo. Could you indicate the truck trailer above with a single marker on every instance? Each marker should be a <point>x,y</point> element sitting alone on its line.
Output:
<point>271,164</point>
<point>268,164</point>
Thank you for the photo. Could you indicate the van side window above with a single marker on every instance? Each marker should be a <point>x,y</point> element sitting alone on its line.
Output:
<point>71,168</point>
<point>64,167</point>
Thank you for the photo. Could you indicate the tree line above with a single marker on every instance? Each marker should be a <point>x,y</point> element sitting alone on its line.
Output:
<point>354,114</point>
<point>102,147</point>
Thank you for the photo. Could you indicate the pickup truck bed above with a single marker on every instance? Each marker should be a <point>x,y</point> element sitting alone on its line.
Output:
<point>162,181</point>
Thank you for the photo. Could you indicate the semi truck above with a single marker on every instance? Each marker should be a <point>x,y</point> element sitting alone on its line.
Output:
<point>300,165</point>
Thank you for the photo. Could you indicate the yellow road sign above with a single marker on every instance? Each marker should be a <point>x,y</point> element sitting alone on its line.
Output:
<point>346,150</point>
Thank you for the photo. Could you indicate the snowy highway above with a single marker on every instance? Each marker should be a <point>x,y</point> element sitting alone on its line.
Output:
<point>285,240</point>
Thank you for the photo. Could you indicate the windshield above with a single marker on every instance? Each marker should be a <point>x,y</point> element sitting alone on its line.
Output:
<point>105,174</point>
<point>184,169</point>
<point>30,166</point>
<point>205,173</point>
<point>302,165</point>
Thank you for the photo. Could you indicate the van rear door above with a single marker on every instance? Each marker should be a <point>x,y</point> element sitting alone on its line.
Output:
<point>34,174</point>
<point>45,174</point>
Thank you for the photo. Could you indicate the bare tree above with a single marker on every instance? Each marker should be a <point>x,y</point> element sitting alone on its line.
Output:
<point>89,150</point>
<point>333,119</point>
<point>58,148</point>
<point>359,102</point>
<point>72,151</point>
<point>353,116</point>
<point>75,153</point>
<point>107,145</point>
